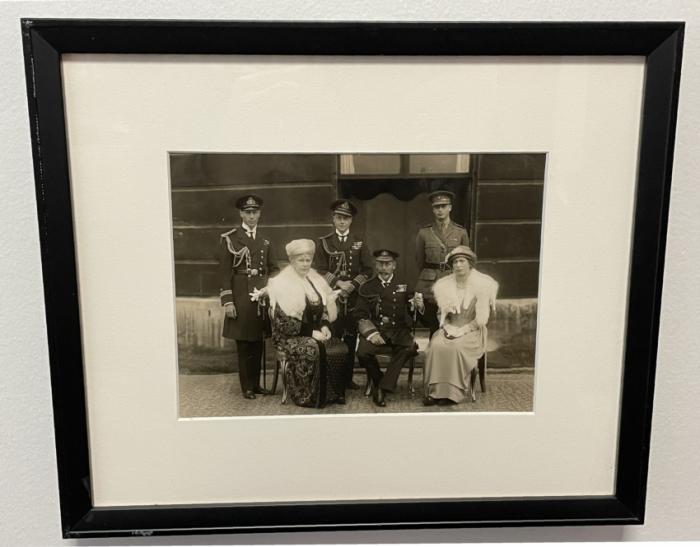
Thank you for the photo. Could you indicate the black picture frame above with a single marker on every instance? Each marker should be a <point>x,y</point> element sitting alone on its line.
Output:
<point>44,43</point>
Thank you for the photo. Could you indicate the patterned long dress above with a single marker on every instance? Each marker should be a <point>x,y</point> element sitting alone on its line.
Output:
<point>450,360</point>
<point>315,369</point>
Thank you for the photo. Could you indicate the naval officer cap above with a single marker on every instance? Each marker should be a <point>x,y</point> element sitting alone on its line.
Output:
<point>385,255</point>
<point>343,207</point>
<point>461,251</point>
<point>249,202</point>
<point>441,197</point>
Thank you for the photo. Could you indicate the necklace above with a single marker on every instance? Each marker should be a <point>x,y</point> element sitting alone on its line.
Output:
<point>310,291</point>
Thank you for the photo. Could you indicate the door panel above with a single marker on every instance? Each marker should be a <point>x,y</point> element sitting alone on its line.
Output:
<point>389,222</point>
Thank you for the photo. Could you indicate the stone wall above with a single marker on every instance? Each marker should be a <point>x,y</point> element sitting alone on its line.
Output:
<point>512,333</point>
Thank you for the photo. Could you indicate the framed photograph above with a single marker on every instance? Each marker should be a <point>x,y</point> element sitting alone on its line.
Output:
<point>324,276</point>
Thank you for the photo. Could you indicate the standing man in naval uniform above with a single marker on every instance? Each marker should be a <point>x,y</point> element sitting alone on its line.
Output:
<point>246,260</point>
<point>433,243</point>
<point>384,319</point>
<point>344,260</point>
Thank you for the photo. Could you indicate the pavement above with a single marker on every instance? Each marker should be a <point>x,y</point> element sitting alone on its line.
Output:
<point>208,395</point>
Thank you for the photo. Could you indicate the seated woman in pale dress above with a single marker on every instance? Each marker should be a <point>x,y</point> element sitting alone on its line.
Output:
<point>465,299</point>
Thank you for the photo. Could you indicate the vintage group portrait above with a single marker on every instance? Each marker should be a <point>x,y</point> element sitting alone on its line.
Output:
<point>356,283</point>
<point>342,227</point>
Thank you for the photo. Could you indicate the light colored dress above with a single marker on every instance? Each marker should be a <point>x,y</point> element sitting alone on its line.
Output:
<point>455,349</point>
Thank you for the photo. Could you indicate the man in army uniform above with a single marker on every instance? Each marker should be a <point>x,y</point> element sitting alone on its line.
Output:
<point>433,243</point>
<point>344,260</point>
<point>246,261</point>
<point>383,313</point>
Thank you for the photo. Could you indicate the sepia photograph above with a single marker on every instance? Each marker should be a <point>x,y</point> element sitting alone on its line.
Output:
<point>307,242</point>
<point>356,283</point>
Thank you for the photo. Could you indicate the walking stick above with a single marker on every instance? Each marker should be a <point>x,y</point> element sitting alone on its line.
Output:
<point>349,363</point>
<point>261,312</point>
<point>411,390</point>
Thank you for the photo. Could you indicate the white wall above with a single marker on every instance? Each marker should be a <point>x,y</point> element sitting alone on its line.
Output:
<point>29,513</point>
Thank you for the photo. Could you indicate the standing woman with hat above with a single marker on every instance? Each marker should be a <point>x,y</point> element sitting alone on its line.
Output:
<point>246,260</point>
<point>433,243</point>
<point>464,298</point>
<point>302,308</point>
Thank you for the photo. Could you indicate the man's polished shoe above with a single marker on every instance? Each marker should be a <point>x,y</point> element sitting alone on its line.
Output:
<point>352,385</point>
<point>262,391</point>
<point>248,394</point>
<point>429,401</point>
<point>378,397</point>
<point>340,400</point>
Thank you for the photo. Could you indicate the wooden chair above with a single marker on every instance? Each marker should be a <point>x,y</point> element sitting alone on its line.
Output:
<point>477,373</point>
<point>281,365</point>
<point>482,363</point>
<point>480,373</point>
<point>383,361</point>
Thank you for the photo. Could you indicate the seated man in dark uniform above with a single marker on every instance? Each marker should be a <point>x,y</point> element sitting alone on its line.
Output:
<point>383,312</point>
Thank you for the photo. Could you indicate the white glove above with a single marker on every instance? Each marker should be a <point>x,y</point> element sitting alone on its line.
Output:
<point>417,302</point>
<point>257,294</point>
<point>376,339</point>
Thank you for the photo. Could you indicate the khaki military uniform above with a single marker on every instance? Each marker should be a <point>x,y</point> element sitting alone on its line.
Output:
<point>432,246</point>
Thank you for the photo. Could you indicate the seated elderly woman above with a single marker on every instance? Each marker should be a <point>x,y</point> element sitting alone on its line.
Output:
<point>464,298</point>
<point>302,307</point>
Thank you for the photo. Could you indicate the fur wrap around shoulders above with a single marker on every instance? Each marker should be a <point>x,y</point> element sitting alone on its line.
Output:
<point>480,286</point>
<point>286,290</point>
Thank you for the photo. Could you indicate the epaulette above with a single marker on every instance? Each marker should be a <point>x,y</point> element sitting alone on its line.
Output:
<point>459,225</point>
<point>229,232</point>
<point>327,235</point>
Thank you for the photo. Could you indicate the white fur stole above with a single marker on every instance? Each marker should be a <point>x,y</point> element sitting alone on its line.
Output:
<point>286,290</point>
<point>480,286</point>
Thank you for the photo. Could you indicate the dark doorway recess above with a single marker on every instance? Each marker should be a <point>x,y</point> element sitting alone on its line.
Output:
<point>393,209</point>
